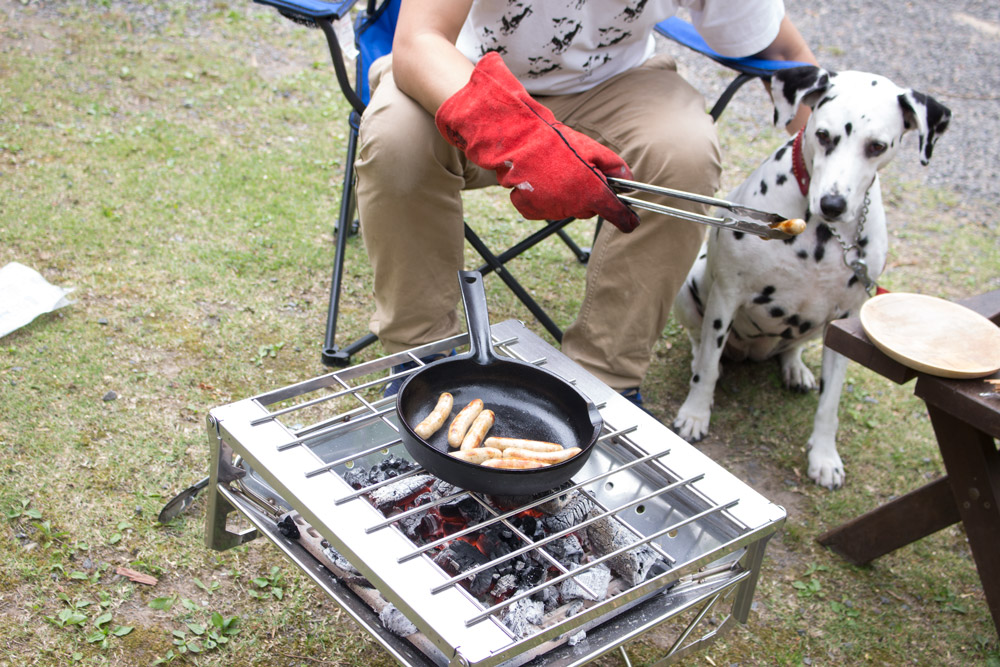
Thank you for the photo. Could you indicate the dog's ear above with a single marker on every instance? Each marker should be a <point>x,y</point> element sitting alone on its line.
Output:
<point>929,116</point>
<point>794,86</point>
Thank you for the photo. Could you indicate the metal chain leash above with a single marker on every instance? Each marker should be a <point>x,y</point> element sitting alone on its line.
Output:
<point>858,265</point>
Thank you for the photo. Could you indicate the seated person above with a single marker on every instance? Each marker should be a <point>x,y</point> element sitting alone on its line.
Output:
<point>545,98</point>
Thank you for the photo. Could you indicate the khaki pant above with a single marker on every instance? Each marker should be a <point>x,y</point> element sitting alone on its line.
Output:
<point>410,207</point>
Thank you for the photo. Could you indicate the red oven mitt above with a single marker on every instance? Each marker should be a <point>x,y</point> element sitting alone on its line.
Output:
<point>555,171</point>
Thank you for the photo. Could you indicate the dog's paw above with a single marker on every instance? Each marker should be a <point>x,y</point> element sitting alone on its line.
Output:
<point>796,375</point>
<point>691,424</point>
<point>825,467</point>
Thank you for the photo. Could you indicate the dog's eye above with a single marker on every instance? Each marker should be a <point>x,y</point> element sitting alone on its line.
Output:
<point>823,137</point>
<point>875,148</point>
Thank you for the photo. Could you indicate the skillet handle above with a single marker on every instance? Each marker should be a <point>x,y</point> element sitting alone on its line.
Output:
<point>477,317</point>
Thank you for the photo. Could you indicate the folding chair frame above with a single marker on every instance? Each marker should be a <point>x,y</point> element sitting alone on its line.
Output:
<point>324,15</point>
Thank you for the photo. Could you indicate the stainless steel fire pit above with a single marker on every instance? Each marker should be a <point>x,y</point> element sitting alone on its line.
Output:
<point>296,456</point>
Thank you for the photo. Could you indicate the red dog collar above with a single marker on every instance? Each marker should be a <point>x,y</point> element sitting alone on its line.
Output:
<point>799,164</point>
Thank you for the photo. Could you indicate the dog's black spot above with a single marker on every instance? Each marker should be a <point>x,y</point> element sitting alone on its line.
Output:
<point>874,82</point>
<point>789,241</point>
<point>781,179</point>
<point>787,334</point>
<point>828,98</point>
<point>852,281</point>
<point>793,320</point>
<point>823,234</point>
<point>780,153</point>
<point>764,296</point>
<point>717,324</point>
<point>737,235</point>
<point>832,145</point>
<point>805,326</point>
<point>763,186</point>
<point>719,341</point>
<point>848,128</point>
<point>863,241</point>
<point>693,289</point>
<point>802,254</point>
<point>696,378</point>
<point>777,311</point>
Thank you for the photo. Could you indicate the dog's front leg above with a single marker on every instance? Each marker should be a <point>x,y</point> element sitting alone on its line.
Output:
<point>825,466</point>
<point>693,417</point>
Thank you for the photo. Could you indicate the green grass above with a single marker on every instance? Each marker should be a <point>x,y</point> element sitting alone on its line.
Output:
<point>184,181</point>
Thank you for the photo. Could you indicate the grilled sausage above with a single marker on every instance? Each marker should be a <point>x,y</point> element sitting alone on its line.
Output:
<point>462,422</point>
<point>793,226</point>
<point>435,420</point>
<point>482,425</point>
<point>477,455</point>
<point>513,464</point>
<point>519,443</point>
<point>541,457</point>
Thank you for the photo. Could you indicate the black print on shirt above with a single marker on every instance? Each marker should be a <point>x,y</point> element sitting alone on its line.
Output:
<point>611,36</point>
<point>510,21</point>
<point>632,12</point>
<point>568,29</point>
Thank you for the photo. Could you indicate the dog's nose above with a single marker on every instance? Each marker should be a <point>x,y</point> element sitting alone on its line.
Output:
<point>833,206</point>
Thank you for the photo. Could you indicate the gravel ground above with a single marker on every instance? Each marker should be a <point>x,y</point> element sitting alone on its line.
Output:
<point>948,50</point>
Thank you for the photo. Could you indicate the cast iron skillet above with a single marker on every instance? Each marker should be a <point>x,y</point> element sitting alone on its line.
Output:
<point>529,402</point>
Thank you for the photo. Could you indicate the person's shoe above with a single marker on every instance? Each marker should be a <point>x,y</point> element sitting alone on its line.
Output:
<point>392,388</point>
<point>632,394</point>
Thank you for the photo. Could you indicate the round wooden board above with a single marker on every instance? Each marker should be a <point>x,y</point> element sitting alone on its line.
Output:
<point>932,335</point>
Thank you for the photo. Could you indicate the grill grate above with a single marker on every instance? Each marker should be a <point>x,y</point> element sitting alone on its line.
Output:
<point>295,445</point>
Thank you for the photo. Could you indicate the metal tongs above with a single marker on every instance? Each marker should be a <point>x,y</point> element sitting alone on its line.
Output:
<point>745,219</point>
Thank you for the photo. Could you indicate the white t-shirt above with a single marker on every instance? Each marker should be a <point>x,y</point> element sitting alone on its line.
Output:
<point>566,46</point>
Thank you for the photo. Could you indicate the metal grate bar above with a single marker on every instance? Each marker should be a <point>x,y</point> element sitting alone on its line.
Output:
<point>562,533</point>
<point>514,512</point>
<point>608,556</point>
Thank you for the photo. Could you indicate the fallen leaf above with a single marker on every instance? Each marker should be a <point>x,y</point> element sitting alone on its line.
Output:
<point>137,577</point>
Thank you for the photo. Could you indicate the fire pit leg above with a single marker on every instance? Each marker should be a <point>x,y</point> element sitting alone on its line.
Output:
<point>216,535</point>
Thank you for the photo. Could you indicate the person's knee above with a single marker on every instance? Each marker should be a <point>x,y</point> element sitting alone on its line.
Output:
<point>686,158</point>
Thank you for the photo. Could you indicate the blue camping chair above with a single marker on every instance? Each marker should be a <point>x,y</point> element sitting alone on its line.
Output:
<point>374,26</point>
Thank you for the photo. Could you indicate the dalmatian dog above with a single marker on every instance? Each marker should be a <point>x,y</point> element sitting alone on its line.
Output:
<point>753,299</point>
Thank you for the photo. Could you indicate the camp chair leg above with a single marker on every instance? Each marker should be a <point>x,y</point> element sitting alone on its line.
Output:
<point>582,254</point>
<point>495,263</point>
<point>332,355</point>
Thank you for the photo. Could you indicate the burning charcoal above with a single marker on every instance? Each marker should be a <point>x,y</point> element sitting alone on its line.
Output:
<point>567,549</point>
<point>465,508</point>
<point>412,525</point>
<point>596,579</point>
<point>395,622</point>
<point>607,535</point>
<point>288,528</point>
<point>460,556</point>
<point>523,617</point>
<point>356,477</point>
<point>575,510</point>
<point>385,497</point>
<point>503,586</point>
<point>550,598</point>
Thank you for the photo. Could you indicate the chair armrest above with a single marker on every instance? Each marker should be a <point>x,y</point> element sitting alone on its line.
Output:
<point>683,33</point>
<point>313,9</point>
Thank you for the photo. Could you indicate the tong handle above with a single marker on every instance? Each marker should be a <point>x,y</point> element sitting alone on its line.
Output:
<point>738,209</point>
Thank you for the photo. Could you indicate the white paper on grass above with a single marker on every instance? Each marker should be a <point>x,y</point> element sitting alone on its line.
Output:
<point>24,295</point>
